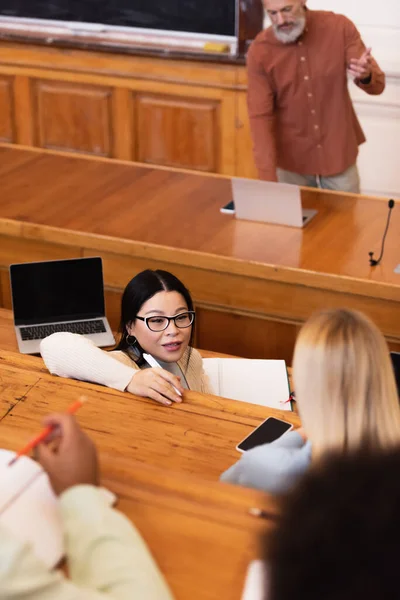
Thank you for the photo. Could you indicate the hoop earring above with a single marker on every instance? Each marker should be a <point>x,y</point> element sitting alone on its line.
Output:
<point>132,341</point>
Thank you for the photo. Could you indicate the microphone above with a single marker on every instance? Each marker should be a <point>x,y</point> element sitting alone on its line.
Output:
<point>372,261</point>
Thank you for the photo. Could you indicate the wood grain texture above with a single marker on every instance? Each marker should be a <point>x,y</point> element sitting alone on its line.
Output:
<point>122,124</point>
<point>245,165</point>
<point>14,387</point>
<point>181,515</point>
<point>182,518</point>
<point>23,110</point>
<point>241,334</point>
<point>129,109</point>
<point>5,289</point>
<point>119,191</point>
<point>7,120</point>
<point>177,132</point>
<point>141,217</point>
<point>73,117</point>
<point>123,425</point>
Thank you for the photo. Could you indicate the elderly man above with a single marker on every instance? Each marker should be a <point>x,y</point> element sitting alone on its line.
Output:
<point>302,120</point>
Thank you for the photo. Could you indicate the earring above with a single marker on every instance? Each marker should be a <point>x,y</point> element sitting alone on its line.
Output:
<point>131,340</point>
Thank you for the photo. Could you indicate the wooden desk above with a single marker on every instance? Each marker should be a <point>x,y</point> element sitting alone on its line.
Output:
<point>163,464</point>
<point>253,283</point>
<point>200,533</point>
<point>180,517</point>
<point>198,436</point>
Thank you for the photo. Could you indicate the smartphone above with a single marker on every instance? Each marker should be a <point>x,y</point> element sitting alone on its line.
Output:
<point>229,208</point>
<point>270,430</point>
<point>395,356</point>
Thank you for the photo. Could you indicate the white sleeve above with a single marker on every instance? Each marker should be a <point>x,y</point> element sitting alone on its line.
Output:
<point>105,551</point>
<point>74,356</point>
<point>108,560</point>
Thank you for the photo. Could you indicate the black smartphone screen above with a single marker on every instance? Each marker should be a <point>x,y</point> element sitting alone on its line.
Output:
<point>395,356</point>
<point>228,208</point>
<point>271,429</point>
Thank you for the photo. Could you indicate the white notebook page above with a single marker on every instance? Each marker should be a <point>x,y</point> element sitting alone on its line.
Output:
<point>258,381</point>
<point>29,508</point>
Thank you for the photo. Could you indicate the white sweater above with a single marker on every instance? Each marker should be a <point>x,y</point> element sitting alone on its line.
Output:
<point>107,557</point>
<point>76,357</point>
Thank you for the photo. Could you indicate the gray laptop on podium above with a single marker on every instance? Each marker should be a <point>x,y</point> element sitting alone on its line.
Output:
<point>59,295</point>
<point>269,202</point>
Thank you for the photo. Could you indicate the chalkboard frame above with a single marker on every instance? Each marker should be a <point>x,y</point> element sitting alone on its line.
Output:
<point>249,21</point>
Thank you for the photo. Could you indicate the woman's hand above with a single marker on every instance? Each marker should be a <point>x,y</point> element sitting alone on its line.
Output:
<point>157,384</point>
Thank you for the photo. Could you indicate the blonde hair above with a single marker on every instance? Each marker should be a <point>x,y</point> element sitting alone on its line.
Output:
<point>345,384</point>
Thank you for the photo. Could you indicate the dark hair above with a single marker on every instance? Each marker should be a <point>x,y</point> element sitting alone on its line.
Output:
<point>338,537</point>
<point>140,289</point>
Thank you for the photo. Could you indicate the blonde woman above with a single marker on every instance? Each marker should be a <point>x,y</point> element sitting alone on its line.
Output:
<point>346,395</point>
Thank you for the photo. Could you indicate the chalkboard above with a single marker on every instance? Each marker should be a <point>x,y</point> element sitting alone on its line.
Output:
<point>215,17</point>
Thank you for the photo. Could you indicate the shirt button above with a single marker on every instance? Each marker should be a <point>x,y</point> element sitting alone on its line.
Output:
<point>316,126</point>
<point>303,58</point>
<point>313,111</point>
<point>306,77</point>
<point>309,94</point>
<point>300,43</point>
<point>319,146</point>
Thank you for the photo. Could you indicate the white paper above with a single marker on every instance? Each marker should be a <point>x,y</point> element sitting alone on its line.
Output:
<point>29,508</point>
<point>255,584</point>
<point>257,381</point>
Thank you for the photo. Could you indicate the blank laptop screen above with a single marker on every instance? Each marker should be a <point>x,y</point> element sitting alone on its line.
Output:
<point>60,290</point>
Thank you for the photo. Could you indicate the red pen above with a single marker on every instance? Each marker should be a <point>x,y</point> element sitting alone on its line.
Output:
<point>292,398</point>
<point>46,431</point>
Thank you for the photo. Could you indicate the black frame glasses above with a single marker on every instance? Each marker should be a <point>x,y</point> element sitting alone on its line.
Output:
<point>147,320</point>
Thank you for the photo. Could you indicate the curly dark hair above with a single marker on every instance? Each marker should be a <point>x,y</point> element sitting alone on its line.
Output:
<point>338,537</point>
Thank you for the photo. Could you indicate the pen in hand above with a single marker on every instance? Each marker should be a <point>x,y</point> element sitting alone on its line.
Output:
<point>46,431</point>
<point>153,363</point>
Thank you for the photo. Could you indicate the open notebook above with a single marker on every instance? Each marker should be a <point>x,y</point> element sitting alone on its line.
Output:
<point>29,508</point>
<point>257,381</point>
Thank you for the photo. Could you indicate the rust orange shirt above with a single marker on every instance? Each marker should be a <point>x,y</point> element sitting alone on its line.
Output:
<point>301,115</point>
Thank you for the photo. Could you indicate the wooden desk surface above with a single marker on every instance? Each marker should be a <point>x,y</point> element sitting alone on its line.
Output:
<point>182,520</point>
<point>163,464</point>
<point>198,436</point>
<point>125,201</point>
<point>265,279</point>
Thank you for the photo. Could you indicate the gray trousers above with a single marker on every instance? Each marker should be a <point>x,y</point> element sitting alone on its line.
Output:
<point>348,181</point>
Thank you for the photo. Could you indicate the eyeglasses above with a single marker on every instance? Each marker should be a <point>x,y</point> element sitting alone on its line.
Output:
<point>159,323</point>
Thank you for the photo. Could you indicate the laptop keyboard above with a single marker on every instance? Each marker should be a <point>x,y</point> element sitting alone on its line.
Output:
<point>39,332</point>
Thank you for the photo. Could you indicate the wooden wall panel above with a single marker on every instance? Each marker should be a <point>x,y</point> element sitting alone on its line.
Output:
<point>5,291</point>
<point>113,307</point>
<point>73,117</point>
<point>178,132</point>
<point>245,165</point>
<point>24,111</point>
<point>122,123</point>
<point>244,335</point>
<point>7,124</point>
<point>15,250</point>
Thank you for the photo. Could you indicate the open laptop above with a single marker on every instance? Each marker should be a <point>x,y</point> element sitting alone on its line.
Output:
<point>59,295</point>
<point>269,202</point>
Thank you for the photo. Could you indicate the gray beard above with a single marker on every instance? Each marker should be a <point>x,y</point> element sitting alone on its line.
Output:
<point>294,34</point>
